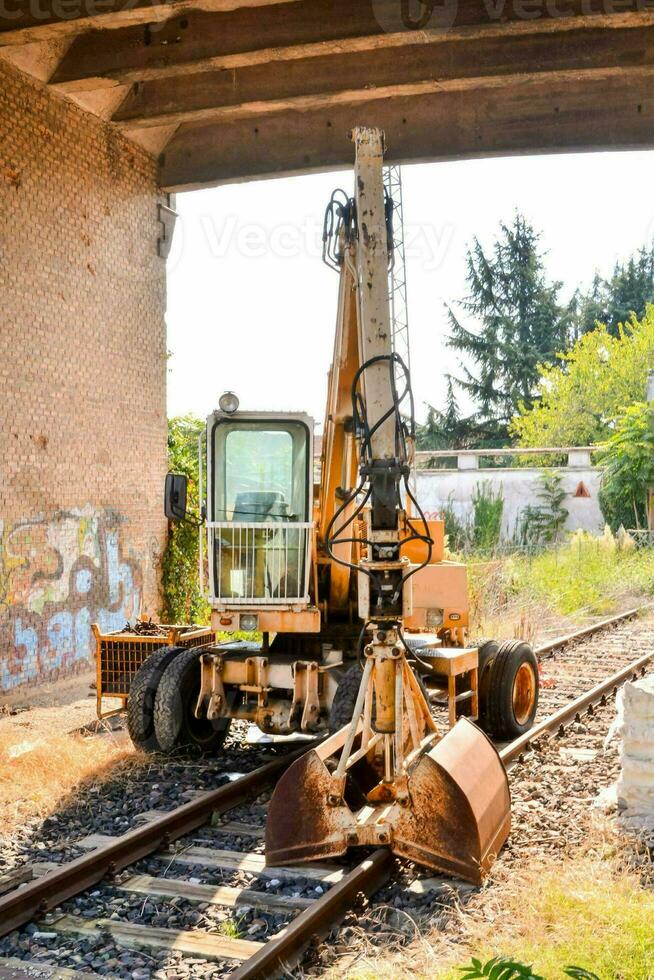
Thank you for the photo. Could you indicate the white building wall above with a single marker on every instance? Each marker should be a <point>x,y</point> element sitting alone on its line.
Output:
<point>519,487</point>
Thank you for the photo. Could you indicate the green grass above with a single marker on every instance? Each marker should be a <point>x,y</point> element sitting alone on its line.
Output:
<point>584,576</point>
<point>585,913</point>
<point>588,573</point>
<point>230,928</point>
<point>581,914</point>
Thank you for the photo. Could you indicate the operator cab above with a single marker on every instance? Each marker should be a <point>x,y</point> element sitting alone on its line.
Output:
<point>260,482</point>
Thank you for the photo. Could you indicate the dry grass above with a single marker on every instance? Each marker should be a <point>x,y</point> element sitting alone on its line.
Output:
<point>542,595</point>
<point>38,771</point>
<point>590,911</point>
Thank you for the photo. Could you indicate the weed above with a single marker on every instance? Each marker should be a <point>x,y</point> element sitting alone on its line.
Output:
<point>544,523</point>
<point>588,574</point>
<point>230,928</point>
<point>504,968</point>
<point>456,531</point>
<point>586,910</point>
<point>488,507</point>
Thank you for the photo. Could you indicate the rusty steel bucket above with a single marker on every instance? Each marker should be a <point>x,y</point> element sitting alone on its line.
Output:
<point>455,820</point>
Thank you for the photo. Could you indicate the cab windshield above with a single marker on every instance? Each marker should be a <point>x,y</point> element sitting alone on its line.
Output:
<point>260,471</point>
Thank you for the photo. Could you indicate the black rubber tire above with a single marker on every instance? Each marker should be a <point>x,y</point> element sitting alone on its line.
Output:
<point>487,652</point>
<point>140,701</point>
<point>510,657</point>
<point>342,707</point>
<point>175,724</point>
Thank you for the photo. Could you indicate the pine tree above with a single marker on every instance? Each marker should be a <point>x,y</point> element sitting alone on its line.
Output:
<point>448,429</point>
<point>517,325</point>
<point>442,429</point>
<point>612,301</point>
<point>451,415</point>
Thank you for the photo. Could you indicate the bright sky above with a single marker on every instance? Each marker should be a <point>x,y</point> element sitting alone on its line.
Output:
<point>252,308</point>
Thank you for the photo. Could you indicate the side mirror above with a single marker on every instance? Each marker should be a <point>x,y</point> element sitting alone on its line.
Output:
<point>175,497</point>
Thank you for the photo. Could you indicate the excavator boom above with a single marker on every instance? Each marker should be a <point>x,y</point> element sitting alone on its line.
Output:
<point>389,776</point>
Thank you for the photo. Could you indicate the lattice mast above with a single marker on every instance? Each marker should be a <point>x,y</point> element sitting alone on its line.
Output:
<point>397,289</point>
<point>397,273</point>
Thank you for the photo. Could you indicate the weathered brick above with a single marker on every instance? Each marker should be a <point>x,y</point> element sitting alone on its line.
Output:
<point>82,382</point>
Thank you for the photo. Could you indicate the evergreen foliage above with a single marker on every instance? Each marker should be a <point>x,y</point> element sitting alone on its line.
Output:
<point>518,324</point>
<point>615,300</point>
<point>543,523</point>
<point>448,429</point>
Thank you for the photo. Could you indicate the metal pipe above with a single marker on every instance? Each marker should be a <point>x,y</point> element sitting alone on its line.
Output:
<point>201,528</point>
<point>356,715</point>
<point>399,718</point>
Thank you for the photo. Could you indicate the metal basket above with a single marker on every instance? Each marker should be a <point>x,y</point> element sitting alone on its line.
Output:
<point>118,656</point>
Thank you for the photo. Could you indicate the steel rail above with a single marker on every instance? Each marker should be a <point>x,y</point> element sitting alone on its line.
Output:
<point>38,896</point>
<point>42,894</point>
<point>284,951</point>
<point>580,634</point>
<point>569,711</point>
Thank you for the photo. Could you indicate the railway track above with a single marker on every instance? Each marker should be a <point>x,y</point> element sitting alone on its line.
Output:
<point>165,860</point>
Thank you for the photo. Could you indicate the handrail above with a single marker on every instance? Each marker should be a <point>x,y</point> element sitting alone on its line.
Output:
<point>508,451</point>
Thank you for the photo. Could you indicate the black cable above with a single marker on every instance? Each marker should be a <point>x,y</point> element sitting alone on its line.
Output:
<point>412,653</point>
<point>366,433</point>
<point>339,221</point>
<point>340,229</point>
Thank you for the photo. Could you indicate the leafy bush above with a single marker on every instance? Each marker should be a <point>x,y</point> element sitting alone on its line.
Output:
<point>628,460</point>
<point>503,968</point>
<point>543,523</point>
<point>499,968</point>
<point>580,399</point>
<point>183,601</point>
<point>456,531</point>
<point>488,507</point>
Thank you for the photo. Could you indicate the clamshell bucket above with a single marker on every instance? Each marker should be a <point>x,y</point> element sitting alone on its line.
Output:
<point>454,818</point>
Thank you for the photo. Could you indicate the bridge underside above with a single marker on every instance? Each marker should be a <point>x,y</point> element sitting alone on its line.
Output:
<point>225,90</point>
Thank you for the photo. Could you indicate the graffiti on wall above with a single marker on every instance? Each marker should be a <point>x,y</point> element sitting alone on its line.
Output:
<point>57,576</point>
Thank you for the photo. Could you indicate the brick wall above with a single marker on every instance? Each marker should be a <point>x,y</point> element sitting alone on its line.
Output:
<point>82,382</point>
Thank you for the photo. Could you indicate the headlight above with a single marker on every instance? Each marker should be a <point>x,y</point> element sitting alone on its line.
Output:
<point>228,403</point>
<point>434,618</point>
<point>249,623</point>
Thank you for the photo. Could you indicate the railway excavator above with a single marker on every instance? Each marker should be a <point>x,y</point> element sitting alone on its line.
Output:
<point>364,623</point>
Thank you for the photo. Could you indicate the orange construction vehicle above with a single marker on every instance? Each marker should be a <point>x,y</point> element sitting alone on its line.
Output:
<point>362,619</point>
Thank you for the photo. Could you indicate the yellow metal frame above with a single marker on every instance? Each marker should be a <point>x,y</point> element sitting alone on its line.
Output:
<point>129,651</point>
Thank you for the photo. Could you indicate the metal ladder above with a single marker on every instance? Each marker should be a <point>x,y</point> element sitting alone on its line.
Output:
<point>397,272</point>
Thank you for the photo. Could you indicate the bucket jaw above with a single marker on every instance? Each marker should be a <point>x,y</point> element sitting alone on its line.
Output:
<point>442,802</point>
